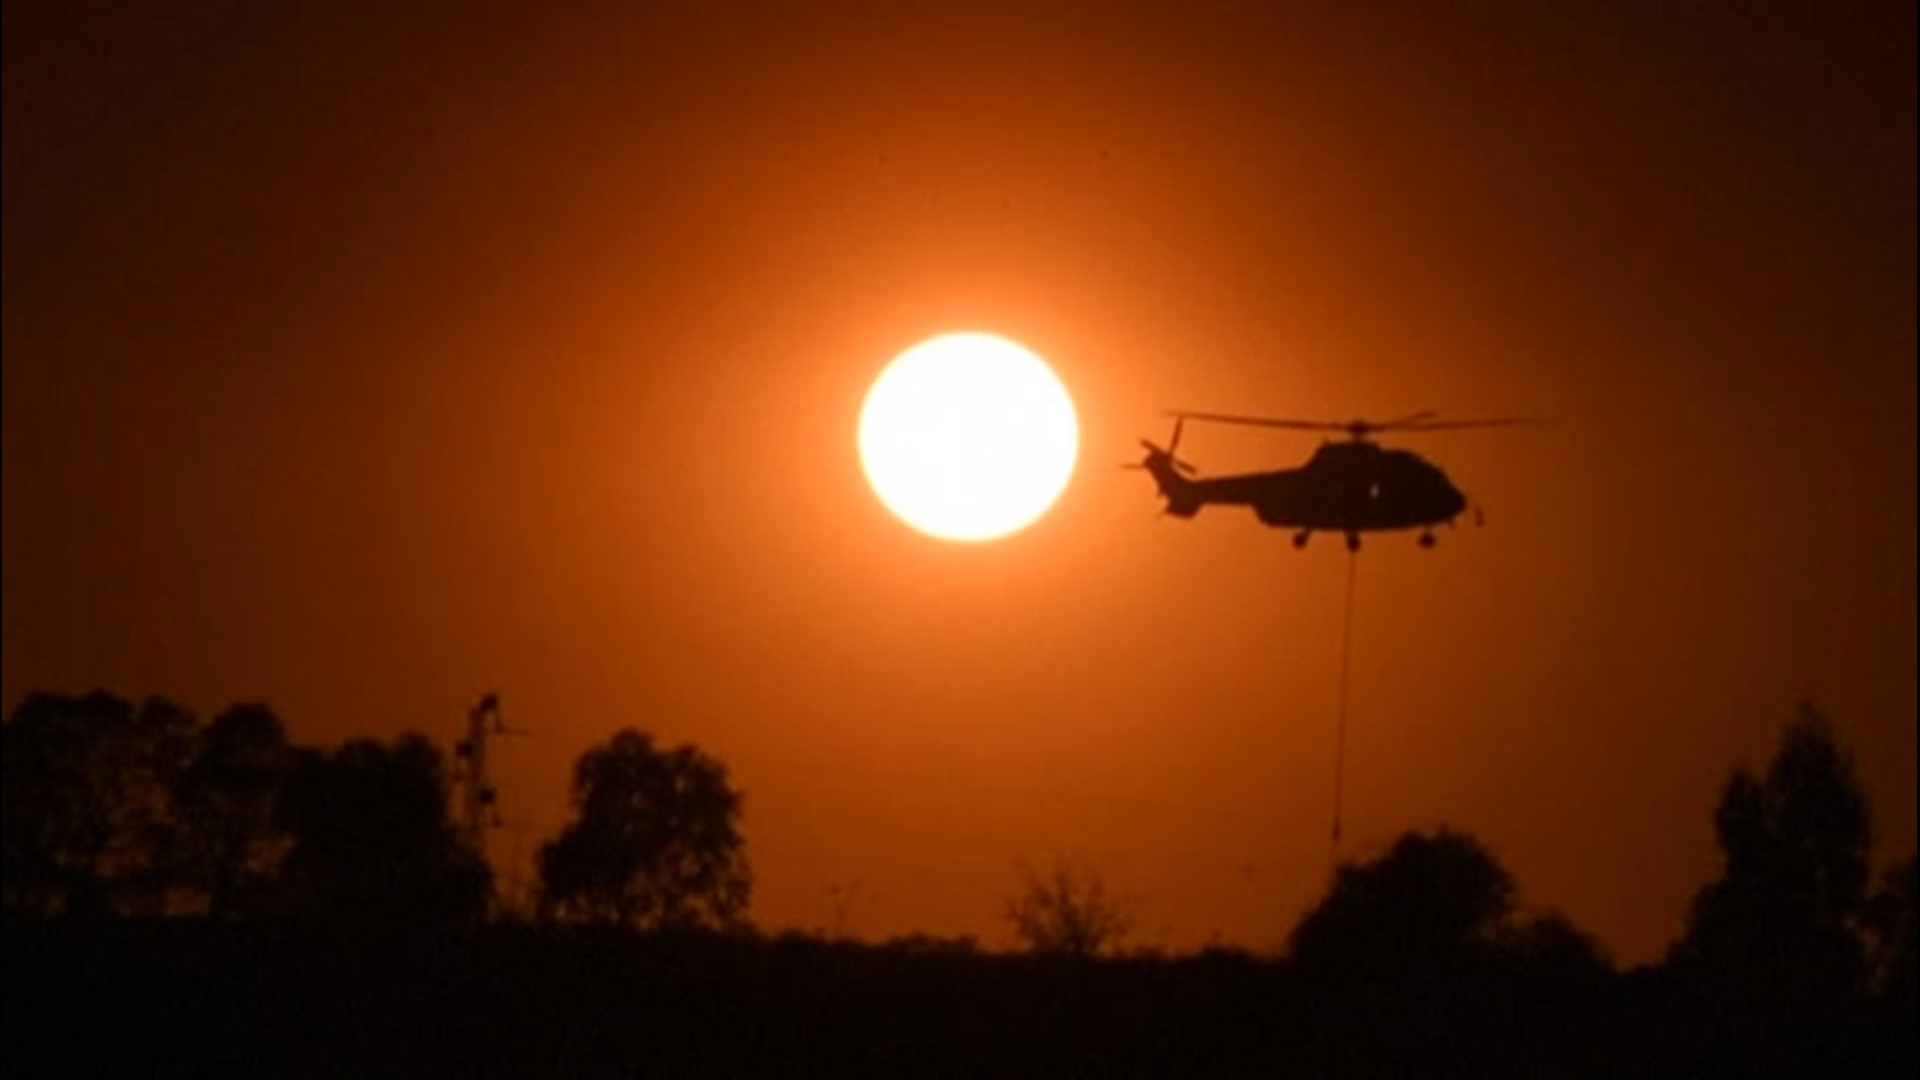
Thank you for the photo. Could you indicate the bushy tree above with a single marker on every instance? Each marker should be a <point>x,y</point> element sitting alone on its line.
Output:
<point>232,839</point>
<point>1422,960</point>
<point>654,844</point>
<point>1432,899</point>
<point>87,804</point>
<point>372,841</point>
<point>1067,912</point>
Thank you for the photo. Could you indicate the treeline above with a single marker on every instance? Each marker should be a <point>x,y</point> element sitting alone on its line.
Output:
<point>1794,961</point>
<point>112,809</point>
<point>1797,959</point>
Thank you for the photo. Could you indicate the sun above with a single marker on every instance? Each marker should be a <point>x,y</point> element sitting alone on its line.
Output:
<point>968,437</point>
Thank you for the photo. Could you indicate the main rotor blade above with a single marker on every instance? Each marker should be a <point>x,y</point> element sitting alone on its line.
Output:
<point>1412,418</point>
<point>1258,421</point>
<point>1452,425</point>
<point>1425,420</point>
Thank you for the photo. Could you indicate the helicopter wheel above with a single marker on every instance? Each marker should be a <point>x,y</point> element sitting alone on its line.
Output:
<point>1353,541</point>
<point>1300,538</point>
<point>1427,539</point>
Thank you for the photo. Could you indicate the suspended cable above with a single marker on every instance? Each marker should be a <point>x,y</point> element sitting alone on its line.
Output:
<point>1346,666</point>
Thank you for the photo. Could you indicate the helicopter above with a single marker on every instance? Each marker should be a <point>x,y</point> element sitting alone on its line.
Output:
<point>1351,486</point>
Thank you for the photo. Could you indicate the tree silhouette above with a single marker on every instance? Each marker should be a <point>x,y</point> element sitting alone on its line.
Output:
<point>1068,912</point>
<point>654,843</point>
<point>1431,900</point>
<point>1786,909</point>
<point>372,841</point>
<point>231,838</point>
<point>1891,918</point>
<point>87,804</point>
<point>1419,964</point>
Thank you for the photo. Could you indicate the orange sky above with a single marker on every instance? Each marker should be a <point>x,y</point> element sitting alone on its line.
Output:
<point>365,364</point>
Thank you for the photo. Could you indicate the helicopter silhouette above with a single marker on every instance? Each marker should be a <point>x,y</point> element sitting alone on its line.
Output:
<point>1349,486</point>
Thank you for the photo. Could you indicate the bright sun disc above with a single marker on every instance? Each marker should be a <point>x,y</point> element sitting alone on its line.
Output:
<point>968,437</point>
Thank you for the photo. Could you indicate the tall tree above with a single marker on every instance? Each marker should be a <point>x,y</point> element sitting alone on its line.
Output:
<point>655,841</point>
<point>1786,910</point>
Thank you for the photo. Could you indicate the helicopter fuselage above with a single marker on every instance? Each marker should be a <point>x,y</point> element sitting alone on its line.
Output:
<point>1347,487</point>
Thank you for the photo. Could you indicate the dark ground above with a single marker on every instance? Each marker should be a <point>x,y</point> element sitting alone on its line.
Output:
<point>183,998</point>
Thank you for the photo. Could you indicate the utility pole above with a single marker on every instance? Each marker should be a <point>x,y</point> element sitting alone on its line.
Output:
<point>479,809</point>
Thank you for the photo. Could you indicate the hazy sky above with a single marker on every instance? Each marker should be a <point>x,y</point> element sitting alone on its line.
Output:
<point>363,362</point>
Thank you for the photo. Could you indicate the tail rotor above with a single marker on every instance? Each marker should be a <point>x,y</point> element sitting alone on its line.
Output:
<point>1167,453</point>
<point>1166,469</point>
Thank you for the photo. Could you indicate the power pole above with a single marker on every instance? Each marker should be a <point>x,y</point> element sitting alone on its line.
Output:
<point>479,802</point>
